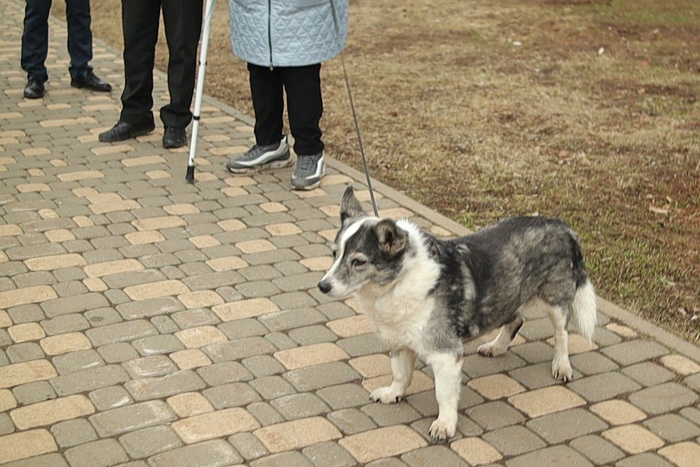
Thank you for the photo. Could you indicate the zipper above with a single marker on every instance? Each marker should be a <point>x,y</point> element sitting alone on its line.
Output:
<point>269,30</point>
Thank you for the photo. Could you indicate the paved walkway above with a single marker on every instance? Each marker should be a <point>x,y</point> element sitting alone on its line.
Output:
<point>148,321</point>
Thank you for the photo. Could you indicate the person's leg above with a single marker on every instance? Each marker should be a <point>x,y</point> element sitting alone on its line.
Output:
<point>35,39</point>
<point>140,22</point>
<point>79,37</point>
<point>267,94</point>
<point>183,26</point>
<point>304,108</point>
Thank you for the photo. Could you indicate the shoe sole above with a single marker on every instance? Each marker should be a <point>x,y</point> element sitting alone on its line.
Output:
<point>313,185</point>
<point>260,168</point>
<point>131,136</point>
<point>80,86</point>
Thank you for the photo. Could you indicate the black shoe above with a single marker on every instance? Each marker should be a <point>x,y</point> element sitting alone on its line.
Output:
<point>90,81</point>
<point>123,131</point>
<point>174,137</point>
<point>34,89</point>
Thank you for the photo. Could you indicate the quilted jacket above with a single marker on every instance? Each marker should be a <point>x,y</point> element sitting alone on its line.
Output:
<point>282,33</point>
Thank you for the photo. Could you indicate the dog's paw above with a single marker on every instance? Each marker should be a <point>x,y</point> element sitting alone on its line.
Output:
<point>386,395</point>
<point>490,350</point>
<point>562,371</point>
<point>441,431</point>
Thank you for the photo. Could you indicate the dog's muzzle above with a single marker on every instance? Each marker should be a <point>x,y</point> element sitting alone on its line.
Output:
<point>325,286</point>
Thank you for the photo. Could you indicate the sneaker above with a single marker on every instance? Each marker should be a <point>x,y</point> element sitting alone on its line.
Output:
<point>308,172</point>
<point>261,157</point>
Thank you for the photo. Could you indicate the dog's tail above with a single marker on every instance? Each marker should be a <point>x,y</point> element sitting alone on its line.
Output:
<point>584,304</point>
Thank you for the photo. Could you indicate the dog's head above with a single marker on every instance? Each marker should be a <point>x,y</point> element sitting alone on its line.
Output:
<point>367,250</point>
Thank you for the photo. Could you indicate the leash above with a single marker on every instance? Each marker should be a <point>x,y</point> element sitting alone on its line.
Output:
<point>354,117</point>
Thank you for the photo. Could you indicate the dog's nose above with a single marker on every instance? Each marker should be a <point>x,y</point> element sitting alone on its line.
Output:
<point>325,286</point>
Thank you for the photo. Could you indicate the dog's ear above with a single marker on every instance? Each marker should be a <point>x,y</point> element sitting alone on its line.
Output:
<point>350,206</point>
<point>392,239</point>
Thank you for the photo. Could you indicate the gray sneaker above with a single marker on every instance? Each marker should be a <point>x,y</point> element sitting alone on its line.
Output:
<point>269,156</point>
<point>308,172</point>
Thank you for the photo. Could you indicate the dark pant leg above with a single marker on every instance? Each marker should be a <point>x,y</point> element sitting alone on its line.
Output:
<point>304,107</point>
<point>183,25</point>
<point>35,39</point>
<point>140,22</point>
<point>267,93</point>
<point>79,36</point>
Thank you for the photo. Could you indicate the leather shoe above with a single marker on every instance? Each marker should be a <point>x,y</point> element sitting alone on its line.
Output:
<point>123,131</point>
<point>34,89</point>
<point>174,137</point>
<point>90,81</point>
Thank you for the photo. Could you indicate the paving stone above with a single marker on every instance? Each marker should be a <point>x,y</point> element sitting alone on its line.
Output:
<point>536,376</point>
<point>496,386</point>
<point>118,353</point>
<point>89,380</point>
<point>51,411</point>
<point>238,349</point>
<point>284,458</point>
<point>648,373</point>
<point>663,398</point>
<point>77,360</point>
<point>494,415</point>
<point>47,460</point>
<point>132,417</point>
<point>684,454</point>
<point>344,396</point>
<point>189,404</point>
<point>597,449</point>
<point>211,425</point>
<point>618,412</point>
<point>555,455</point>
<point>643,460</point>
<point>156,365</point>
<point>149,441</point>
<point>73,432</point>
<point>31,393</point>
<point>320,376</point>
<point>564,426</point>
<point>603,386</point>
<point>514,440</point>
<point>6,425</point>
<point>630,352</point>
<point>382,442</point>
<point>272,387</point>
<point>364,344</point>
<point>24,352</point>
<point>265,413</point>
<point>328,454</point>
<point>546,401</point>
<point>164,386</point>
<point>65,324</point>
<point>225,372</point>
<point>592,363</point>
<point>195,317</point>
<point>633,439</point>
<point>241,328</point>
<point>289,319</point>
<point>26,444</point>
<point>120,332</point>
<point>248,446</point>
<point>147,308</point>
<point>672,428</point>
<point>351,421</point>
<point>108,451</point>
<point>231,395</point>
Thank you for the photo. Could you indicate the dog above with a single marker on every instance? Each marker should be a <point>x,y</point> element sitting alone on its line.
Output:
<point>425,297</point>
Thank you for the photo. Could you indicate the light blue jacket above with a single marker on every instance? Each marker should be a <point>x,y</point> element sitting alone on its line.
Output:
<point>282,33</point>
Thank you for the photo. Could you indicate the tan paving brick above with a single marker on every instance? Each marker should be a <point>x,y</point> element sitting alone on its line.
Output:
<point>214,425</point>
<point>496,386</point>
<point>26,444</point>
<point>83,221</point>
<point>200,299</point>
<point>80,175</point>
<point>577,344</point>
<point>420,383</point>
<point>335,179</point>
<point>228,263</point>
<point>112,267</point>
<point>158,223</point>
<point>145,160</point>
<point>5,320</point>
<point>26,332</point>
<point>31,152</point>
<point>194,338</point>
<point>145,237</point>
<point>245,309</point>
<point>617,412</point>
<point>190,358</point>
<point>7,400</point>
<point>51,263</point>
<point>352,326</point>
<point>371,366</point>
<point>241,181</point>
<point>156,289</point>
<point>680,364</point>
<point>158,174</point>
<point>48,214</point>
<point>545,401</point>
<point>319,263</point>
<point>106,207</point>
<point>284,228</point>
<point>204,241</point>
<point>3,257</point>
<point>181,209</point>
<point>633,438</point>
<point>33,187</point>
<point>686,454</point>
<point>231,225</point>
<point>476,451</point>
<point>189,404</point>
<point>10,230</point>
<point>112,149</point>
<point>64,343</point>
<point>59,235</point>
<point>256,246</point>
<point>329,235</point>
<point>233,191</point>
<point>273,207</point>
<point>67,122</point>
<point>94,284</point>
<point>52,411</point>
<point>621,330</point>
<point>297,434</point>
<point>26,372</point>
<point>383,442</point>
<point>310,355</point>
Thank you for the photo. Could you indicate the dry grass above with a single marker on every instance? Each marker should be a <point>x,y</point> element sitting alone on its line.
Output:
<point>581,109</point>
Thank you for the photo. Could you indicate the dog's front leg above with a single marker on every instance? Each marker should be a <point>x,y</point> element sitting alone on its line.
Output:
<point>447,369</point>
<point>402,362</point>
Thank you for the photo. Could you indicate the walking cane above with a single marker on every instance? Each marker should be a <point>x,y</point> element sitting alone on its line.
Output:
<point>206,28</point>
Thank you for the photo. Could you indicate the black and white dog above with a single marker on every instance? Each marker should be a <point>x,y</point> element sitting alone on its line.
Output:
<point>425,297</point>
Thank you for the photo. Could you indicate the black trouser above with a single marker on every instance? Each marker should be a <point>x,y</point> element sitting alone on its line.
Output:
<point>304,105</point>
<point>35,38</point>
<point>183,25</point>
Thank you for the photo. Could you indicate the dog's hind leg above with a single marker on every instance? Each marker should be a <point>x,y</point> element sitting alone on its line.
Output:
<point>402,364</point>
<point>561,368</point>
<point>499,345</point>
<point>447,368</point>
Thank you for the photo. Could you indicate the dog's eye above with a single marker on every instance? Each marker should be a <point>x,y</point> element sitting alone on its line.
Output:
<point>357,262</point>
